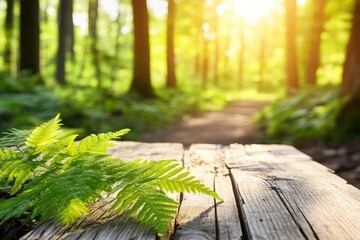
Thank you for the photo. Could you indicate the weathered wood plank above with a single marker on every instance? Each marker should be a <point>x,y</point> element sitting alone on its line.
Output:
<point>129,151</point>
<point>196,217</point>
<point>328,204</point>
<point>101,223</point>
<point>263,211</point>
<point>227,214</point>
<point>321,205</point>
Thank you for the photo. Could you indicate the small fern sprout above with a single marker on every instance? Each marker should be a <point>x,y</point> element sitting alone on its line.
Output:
<point>52,175</point>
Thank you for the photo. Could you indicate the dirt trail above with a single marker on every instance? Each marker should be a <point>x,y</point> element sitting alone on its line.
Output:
<point>230,125</point>
<point>234,124</point>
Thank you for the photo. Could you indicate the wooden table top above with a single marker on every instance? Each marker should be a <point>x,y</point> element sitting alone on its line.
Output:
<point>269,192</point>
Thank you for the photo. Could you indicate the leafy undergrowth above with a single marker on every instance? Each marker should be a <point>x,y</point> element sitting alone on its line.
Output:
<point>89,110</point>
<point>308,116</point>
<point>47,174</point>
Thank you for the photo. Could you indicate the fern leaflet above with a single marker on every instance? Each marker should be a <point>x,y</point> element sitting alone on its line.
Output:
<point>44,135</point>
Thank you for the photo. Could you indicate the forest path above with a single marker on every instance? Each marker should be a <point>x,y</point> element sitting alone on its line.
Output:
<point>233,124</point>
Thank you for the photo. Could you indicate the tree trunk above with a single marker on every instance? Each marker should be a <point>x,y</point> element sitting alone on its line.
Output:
<point>9,28</point>
<point>262,59</point>
<point>141,82</point>
<point>351,74</point>
<point>45,17</point>
<point>241,53</point>
<point>114,67</point>
<point>29,36</point>
<point>349,116</point>
<point>291,56</point>
<point>217,44</point>
<point>70,42</point>
<point>170,63</point>
<point>199,41</point>
<point>64,39</point>
<point>314,41</point>
<point>93,16</point>
<point>205,65</point>
<point>226,61</point>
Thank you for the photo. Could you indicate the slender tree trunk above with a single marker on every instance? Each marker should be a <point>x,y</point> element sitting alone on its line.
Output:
<point>205,65</point>
<point>241,53</point>
<point>199,42</point>
<point>314,41</point>
<point>197,59</point>
<point>64,39</point>
<point>9,28</point>
<point>114,67</point>
<point>217,46</point>
<point>262,59</point>
<point>141,82</point>
<point>170,63</point>
<point>291,56</point>
<point>70,35</point>
<point>227,43</point>
<point>45,17</point>
<point>93,16</point>
<point>349,116</point>
<point>351,73</point>
<point>29,36</point>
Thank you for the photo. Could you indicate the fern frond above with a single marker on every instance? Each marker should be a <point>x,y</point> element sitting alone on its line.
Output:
<point>176,179</point>
<point>160,168</point>
<point>14,138</point>
<point>141,191</point>
<point>58,177</point>
<point>125,198</point>
<point>8,154</point>
<point>99,143</point>
<point>14,207</point>
<point>189,185</point>
<point>169,176</point>
<point>73,211</point>
<point>64,145</point>
<point>149,205</point>
<point>45,135</point>
<point>83,184</point>
<point>60,151</point>
<point>14,168</point>
<point>154,209</point>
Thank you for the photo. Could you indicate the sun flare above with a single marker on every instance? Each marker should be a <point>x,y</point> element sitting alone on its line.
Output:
<point>254,10</point>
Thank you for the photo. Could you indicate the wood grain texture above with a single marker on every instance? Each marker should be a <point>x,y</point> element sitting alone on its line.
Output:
<point>129,151</point>
<point>326,201</point>
<point>227,214</point>
<point>320,204</point>
<point>196,215</point>
<point>262,211</point>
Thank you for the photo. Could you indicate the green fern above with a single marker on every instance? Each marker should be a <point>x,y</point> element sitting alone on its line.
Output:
<point>43,164</point>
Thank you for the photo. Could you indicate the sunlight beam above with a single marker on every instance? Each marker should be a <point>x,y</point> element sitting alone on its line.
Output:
<point>254,10</point>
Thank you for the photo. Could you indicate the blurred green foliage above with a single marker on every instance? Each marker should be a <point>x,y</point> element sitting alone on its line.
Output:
<point>23,104</point>
<point>309,115</point>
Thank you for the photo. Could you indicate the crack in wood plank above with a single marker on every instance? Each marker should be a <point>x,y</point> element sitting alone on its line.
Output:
<point>240,206</point>
<point>291,210</point>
